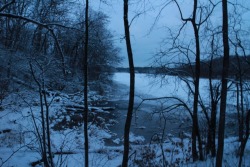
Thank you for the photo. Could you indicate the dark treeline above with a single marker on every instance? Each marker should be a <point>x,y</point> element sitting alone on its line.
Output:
<point>236,62</point>
<point>189,69</point>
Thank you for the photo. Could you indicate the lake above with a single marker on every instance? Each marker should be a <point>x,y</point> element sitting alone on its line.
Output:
<point>151,117</point>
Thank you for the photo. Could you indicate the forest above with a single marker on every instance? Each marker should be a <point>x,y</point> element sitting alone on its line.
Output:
<point>66,98</point>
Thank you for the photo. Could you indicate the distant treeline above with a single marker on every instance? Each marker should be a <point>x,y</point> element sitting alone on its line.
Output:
<point>239,65</point>
<point>147,70</point>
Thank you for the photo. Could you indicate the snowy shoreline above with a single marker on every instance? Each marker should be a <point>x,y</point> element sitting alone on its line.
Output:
<point>20,146</point>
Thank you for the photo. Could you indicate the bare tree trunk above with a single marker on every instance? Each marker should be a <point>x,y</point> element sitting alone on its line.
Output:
<point>48,129</point>
<point>245,138</point>
<point>213,129</point>
<point>214,95</point>
<point>243,118</point>
<point>44,149</point>
<point>44,156</point>
<point>60,51</point>
<point>240,99</point>
<point>86,140</point>
<point>225,69</point>
<point>132,86</point>
<point>195,128</point>
<point>239,113</point>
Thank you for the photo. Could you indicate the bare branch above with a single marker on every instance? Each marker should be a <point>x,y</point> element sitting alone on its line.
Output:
<point>14,152</point>
<point>210,13</point>
<point>23,18</point>
<point>158,15</point>
<point>6,5</point>
<point>136,16</point>
<point>182,103</point>
<point>60,50</point>
<point>44,25</point>
<point>180,11</point>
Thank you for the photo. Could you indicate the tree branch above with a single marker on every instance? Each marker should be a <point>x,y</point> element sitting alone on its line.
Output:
<point>182,103</point>
<point>6,5</point>
<point>44,25</point>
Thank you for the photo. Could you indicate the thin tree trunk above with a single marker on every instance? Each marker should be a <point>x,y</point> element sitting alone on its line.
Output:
<point>211,145</point>
<point>132,87</point>
<point>44,156</point>
<point>86,140</point>
<point>195,128</point>
<point>48,129</point>
<point>219,156</point>
<point>245,138</point>
<point>240,100</point>
<point>44,150</point>
<point>60,51</point>
<point>239,115</point>
<point>243,125</point>
<point>45,160</point>
<point>213,129</point>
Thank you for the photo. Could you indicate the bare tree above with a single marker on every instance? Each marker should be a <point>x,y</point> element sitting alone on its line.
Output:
<point>241,66</point>
<point>245,138</point>
<point>41,23</point>
<point>44,106</point>
<point>219,156</point>
<point>132,85</point>
<point>86,139</point>
<point>198,18</point>
<point>210,70</point>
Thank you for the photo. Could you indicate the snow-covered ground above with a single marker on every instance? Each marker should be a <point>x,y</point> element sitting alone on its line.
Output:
<point>19,144</point>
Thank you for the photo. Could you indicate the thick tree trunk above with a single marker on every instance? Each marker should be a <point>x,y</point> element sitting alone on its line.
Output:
<point>132,87</point>
<point>219,156</point>
<point>86,140</point>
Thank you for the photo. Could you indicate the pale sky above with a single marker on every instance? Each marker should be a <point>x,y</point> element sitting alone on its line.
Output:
<point>146,41</point>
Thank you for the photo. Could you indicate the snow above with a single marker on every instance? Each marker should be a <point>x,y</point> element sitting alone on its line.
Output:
<point>20,147</point>
<point>136,139</point>
<point>117,141</point>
